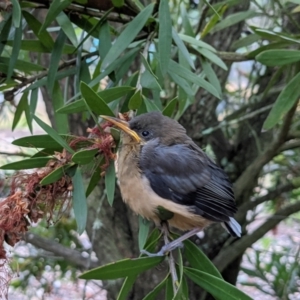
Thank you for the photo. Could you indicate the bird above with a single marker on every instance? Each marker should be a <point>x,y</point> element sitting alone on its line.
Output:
<point>164,176</point>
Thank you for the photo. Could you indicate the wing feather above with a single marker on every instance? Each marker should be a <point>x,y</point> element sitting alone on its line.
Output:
<point>184,174</point>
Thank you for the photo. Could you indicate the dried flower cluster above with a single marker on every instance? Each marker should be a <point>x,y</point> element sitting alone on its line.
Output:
<point>30,201</point>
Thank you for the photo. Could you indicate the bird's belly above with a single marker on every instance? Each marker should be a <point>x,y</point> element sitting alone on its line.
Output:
<point>138,194</point>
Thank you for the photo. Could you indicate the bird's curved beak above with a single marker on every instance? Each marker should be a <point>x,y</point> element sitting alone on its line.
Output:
<point>123,125</point>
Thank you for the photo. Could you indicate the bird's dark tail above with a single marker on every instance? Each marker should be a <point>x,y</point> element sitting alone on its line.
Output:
<point>233,227</point>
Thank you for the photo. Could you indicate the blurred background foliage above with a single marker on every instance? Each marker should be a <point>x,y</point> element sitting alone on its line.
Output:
<point>228,71</point>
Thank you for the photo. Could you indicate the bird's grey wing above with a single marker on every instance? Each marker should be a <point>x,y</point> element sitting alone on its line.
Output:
<point>185,175</point>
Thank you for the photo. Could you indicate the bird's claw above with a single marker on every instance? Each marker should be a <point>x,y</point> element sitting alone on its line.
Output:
<point>165,250</point>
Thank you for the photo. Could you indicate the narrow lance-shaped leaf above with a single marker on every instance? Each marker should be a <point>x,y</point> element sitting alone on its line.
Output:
<point>234,19</point>
<point>198,260</point>
<point>55,8</point>
<point>127,287</point>
<point>15,51</point>
<point>79,201</point>
<point>55,175</point>
<point>285,101</point>
<point>164,36</point>
<point>144,226</point>
<point>182,48</point>
<point>154,293</point>
<point>217,287</point>
<point>61,121</point>
<point>53,134</point>
<point>278,57</point>
<point>136,100</point>
<point>127,36</point>
<point>123,268</point>
<point>95,102</point>
<point>110,182</point>
<point>190,76</point>
<point>16,14</point>
<point>55,59</point>
<point>22,105</point>
<point>85,156</point>
<point>169,109</point>
<point>66,25</point>
<point>25,164</point>
<point>4,33</point>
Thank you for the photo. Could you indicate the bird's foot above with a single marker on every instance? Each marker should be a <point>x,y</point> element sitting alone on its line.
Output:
<point>165,250</point>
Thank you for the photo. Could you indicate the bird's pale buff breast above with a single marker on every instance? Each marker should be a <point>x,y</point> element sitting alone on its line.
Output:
<point>137,193</point>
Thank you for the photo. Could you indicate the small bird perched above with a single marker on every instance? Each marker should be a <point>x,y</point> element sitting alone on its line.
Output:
<point>164,176</point>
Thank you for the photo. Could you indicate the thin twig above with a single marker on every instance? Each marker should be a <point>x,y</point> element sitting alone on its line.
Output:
<point>232,122</point>
<point>43,74</point>
<point>171,259</point>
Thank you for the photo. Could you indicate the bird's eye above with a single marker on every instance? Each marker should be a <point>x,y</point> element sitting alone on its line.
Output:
<point>145,133</point>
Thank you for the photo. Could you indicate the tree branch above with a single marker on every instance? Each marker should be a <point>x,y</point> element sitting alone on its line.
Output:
<point>252,171</point>
<point>70,255</point>
<point>271,195</point>
<point>43,74</point>
<point>232,252</point>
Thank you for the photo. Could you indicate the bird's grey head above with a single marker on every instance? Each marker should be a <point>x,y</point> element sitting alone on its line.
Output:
<point>155,125</point>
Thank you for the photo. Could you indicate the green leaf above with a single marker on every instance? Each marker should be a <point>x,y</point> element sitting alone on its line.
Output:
<point>16,46</point>
<point>95,102</point>
<point>246,41</point>
<point>94,179</point>
<point>53,134</point>
<point>44,37</point>
<point>123,268</point>
<point>55,59</point>
<point>278,57</point>
<point>32,107</point>
<point>164,36</point>
<point>170,107</point>
<point>23,104</point>
<point>213,58</point>
<point>211,75</point>
<point>196,43</point>
<point>5,33</point>
<point>198,260</point>
<point>149,81</point>
<point>39,141</point>
<point>84,157</point>
<point>127,36</point>
<point>46,152</point>
<point>104,40</point>
<point>126,287</point>
<point>107,95</point>
<point>144,226</point>
<point>169,293</point>
<point>217,287</point>
<point>285,101</point>
<point>150,105</point>
<point>55,175</point>
<point>276,36</point>
<point>22,65</point>
<point>234,19</point>
<point>79,201</point>
<point>25,164</point>
<point>16,13</point>
<point>182,83</point>
<point>154,293</point>
<point>213,19</point>
<point>55,8</point>
<point>152,240</point>
<point>67,27</point>
<point>190,76</point>
<point>136,100</point>
<point>110,182</point>
<point>182,48</point>
<point>188,29</point>
<point>61,121</point>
